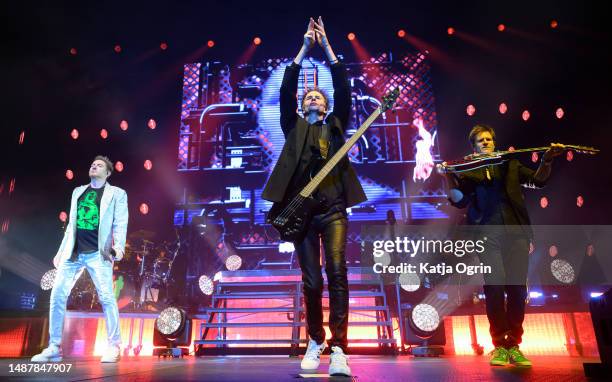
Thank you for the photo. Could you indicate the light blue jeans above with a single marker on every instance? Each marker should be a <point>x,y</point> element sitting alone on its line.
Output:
<point>101,272</point>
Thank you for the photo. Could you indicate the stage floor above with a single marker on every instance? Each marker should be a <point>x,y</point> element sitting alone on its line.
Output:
<point>276,368</point>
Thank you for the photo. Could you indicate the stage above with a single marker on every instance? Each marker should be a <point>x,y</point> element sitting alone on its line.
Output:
<point>282,368</point>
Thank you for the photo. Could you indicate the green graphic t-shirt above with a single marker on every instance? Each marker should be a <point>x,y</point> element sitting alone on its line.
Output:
<point>88,220</point>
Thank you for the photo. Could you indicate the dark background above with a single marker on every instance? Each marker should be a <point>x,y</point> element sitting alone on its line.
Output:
<point>47,92</point>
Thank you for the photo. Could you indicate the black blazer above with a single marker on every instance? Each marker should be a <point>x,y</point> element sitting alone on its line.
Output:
<point>471,184</point>
<point>295,128</point>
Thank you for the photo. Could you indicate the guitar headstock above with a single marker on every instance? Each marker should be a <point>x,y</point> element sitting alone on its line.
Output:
<point>582,149</point>
<point>389,99</point>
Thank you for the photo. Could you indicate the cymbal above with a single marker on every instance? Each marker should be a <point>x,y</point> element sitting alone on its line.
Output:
<point>142,234</point>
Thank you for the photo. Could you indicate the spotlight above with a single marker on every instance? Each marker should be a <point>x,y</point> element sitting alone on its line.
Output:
<point>233,263</point>
<point>163,46</point>
<point>351,36</point>
<point>73,51</point>
<point>117,48</point>
<point>206,285</point>
<point>123,125</point>
<point>151,124</point>
<point>596,294</point>
<point>47,280</point>
<point>256,41</point>
<point>425,318</point>
<point>569,156</point>
<point>119,166</point>
<point>426,330</point>
<point>104,133</point>
<point>210,43</point>
<point>559,113</point>
<point>554,24</point>
<point>172,329</point>
<point>450,31</point>
<point>534,157</point>
<point>21,137</point>
<point>69,174</point>
<point>144,208</point>
<point>501,27</point>
<point>63,216</point>
<point>503,108</point>
<point>470,110</point>
<point>543,202</point>
<point>286,247</point>
<point>74,133</point>
<point>579,200</point>
<point>401,33</point>
<point>148,165</point>
<point>525,115</point>
<point>563,271</point>
<point>409,282</point>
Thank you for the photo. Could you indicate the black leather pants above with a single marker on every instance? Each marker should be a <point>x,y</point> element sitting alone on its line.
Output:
<point>332,229</point>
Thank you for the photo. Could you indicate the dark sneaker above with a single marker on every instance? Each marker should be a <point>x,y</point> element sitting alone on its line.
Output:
<point>499,356</point>
<point>517,357</point>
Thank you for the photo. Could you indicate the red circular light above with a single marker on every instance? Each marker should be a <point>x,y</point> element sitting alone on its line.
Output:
<point>151,124</point>
<point>450,31</point>
<point>534,157</point>
<point>544,202</point>
<point>144,208</point>
<point>256,41</point>
<point>503,108</point>
<point>148,165</point>
<point>63,216</point>
<point>351,36</point>
<point>553,251</point>
<point>569,156</point>
<point>525,115</point>
<point>117,48</point>
<point>401,33</point>
<point>501,27</point>
<point>73,51</point>
<point>123,125</point>
<point>163,46</point>
<point>119,166</point>
<point>69,174</point>
<point>554,24</point>
<point>74,133</point>
<point>559,113</point>
<point>210,43</point>
<point>470,110</point>
<point>579,201</point>
<point>511,148</point>
<point>104,133</point>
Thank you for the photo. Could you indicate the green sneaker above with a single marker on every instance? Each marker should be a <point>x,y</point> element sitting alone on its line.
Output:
<point>499,356</point>
<point>517,357</point>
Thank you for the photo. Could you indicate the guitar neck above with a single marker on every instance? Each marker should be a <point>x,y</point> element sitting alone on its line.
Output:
<point>333,161</point>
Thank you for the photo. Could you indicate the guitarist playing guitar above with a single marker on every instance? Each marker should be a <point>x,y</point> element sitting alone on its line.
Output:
<point>310,139</point>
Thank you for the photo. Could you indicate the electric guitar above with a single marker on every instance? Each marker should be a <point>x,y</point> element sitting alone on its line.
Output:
<point>475,161</point>
<point>292,216</point>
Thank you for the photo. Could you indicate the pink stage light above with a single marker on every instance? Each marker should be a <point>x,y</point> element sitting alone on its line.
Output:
<point>74,134</point>
<point>351,36</point>
<point>257,41</point>
<point>554,24</point>
<point>450,31</point>
<point>119,166</point>
<point>543,202</point>
<point>69,175</point>
<point>525,115</point>
<point>210,43</point>
<point>559,113</point>
<point>503,108</point>
<point>534,157</point>
<point>553,251</point>
<point>21,137</point>
<point>148,165</point>
<point>11,186</point>
<point>511,148</point>
<point>470,110</point>
<point>144,208</point>
<point>117,48</point>
<point>401,33</point>
<point>424,161</point>
<point>73,51</point>
<point>152,124</point>
<point>501,27</point>
<point>569,156</point>
<point>163,46</point>
<point>579,201</point>
<point>104,133</point>
<point>63,216</point>
<point>123,125</point>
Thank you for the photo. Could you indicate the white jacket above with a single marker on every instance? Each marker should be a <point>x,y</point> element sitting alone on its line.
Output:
<point>112,229</point>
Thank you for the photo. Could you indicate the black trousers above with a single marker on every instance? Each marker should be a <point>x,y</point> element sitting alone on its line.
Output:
<point>332,229</point>
<point>507,252</point>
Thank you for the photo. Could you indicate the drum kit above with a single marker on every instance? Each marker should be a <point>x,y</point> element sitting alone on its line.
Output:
<point>140,280</point>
